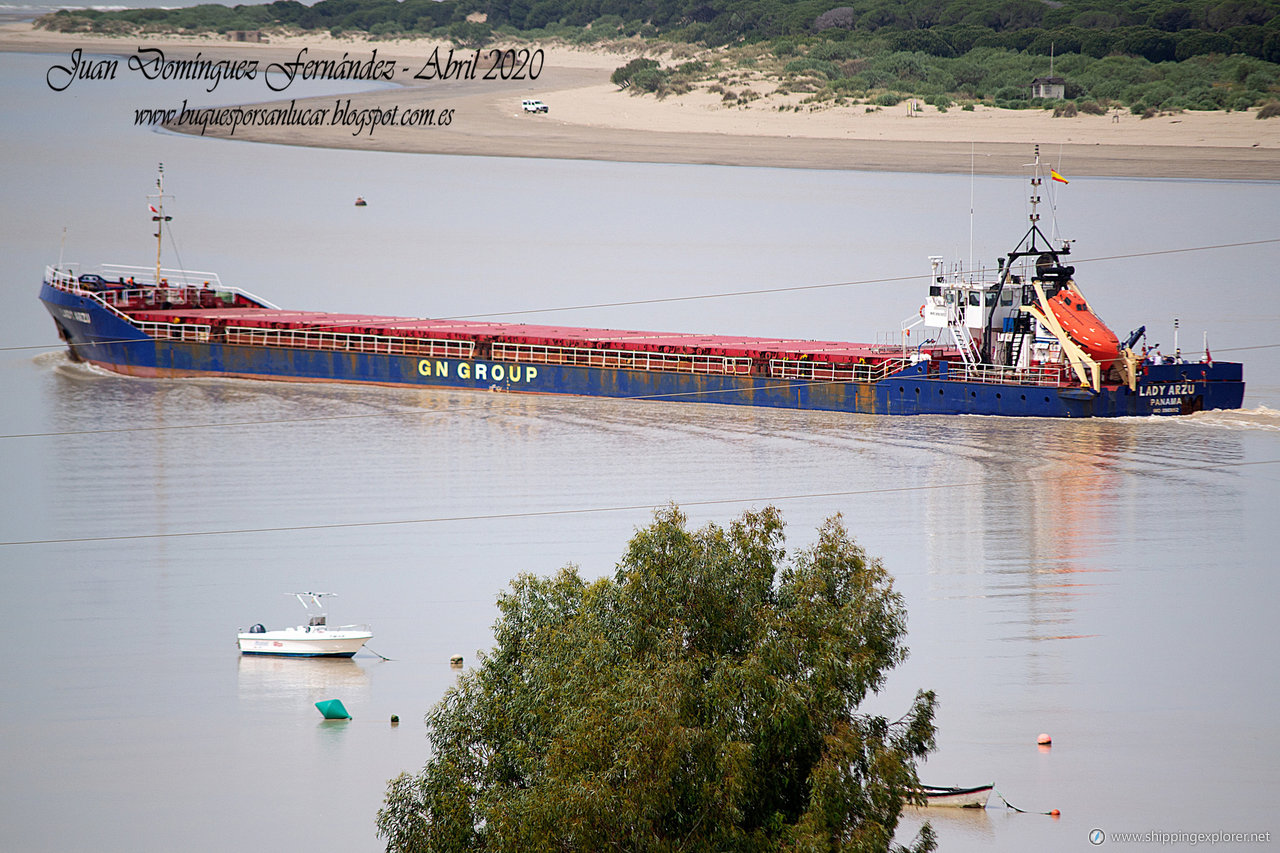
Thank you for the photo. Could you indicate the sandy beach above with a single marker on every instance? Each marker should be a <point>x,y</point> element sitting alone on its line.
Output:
<point>589,118</point>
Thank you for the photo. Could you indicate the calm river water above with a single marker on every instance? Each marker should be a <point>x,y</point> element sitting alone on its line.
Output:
<point>1111,583</point>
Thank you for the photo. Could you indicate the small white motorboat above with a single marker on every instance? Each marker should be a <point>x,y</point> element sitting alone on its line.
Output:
<point>316,639</point>
<point>960,798</point>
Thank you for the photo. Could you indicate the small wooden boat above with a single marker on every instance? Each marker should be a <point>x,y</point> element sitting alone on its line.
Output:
<point>959,798</point>
<point>316,639</point>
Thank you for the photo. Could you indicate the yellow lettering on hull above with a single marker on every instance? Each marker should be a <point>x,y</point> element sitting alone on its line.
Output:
<point>479,370</point>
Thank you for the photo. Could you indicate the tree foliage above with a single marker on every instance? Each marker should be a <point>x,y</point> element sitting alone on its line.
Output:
<point>1189,49</point>
<point>704,698</point>
<point>623,76</point>
<point>1137,25</point>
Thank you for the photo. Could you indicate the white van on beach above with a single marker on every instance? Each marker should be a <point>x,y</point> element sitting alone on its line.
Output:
<point>532,105</point>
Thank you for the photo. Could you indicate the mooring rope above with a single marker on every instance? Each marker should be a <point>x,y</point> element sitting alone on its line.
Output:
<point>1051,813</point>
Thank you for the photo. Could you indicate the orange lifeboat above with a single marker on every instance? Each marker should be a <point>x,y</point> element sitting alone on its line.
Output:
<point>1084,327</point>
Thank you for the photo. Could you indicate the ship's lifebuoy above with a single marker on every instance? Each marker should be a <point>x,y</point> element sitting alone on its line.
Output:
<point>921,310</point>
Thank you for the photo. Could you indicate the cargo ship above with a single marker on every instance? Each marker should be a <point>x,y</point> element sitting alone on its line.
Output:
<point>1020,340</point>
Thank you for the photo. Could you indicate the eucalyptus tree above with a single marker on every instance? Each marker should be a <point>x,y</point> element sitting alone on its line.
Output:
<point>706,697</point>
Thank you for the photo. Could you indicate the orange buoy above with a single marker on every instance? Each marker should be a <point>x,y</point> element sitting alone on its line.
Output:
<point>1055,813</point>
<point>1044,739</point>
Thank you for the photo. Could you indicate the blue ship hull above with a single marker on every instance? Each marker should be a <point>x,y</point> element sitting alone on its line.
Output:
<point>101,337</point>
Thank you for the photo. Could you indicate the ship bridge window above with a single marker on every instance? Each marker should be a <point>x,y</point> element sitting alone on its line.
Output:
<point>951,297</point>
<point>935,290</point>
<point>991,298</point>
<point>1006,298</point>
<point>975,299</point>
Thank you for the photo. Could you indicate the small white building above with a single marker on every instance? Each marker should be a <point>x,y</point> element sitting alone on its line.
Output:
<point>1054,88</point>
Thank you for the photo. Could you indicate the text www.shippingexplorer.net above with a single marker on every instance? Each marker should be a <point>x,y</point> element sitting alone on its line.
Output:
<point>1191,839</point>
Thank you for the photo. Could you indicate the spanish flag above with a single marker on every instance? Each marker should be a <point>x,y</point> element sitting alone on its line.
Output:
<point>1057,177</point>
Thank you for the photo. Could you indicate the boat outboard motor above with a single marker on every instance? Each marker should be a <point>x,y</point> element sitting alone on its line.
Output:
<point>258,629</point>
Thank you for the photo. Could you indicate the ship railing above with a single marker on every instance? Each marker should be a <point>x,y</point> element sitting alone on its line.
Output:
<point>168,277</point>
<point>135,288</point>
<point>349,342</point>
<point>825,371</point>
<point>65,280</point>
<point>62,277</point>
<point>998,374</point>
<point>198,332</point>
<point>671,362</point>
<point>162,298</point>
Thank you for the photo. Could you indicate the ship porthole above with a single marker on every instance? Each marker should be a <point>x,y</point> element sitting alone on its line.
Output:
<point>1024,398</point>
<point>917,390</point>
<point>973,393</point>
<point>939,392</point>
<point>901,390</point>
<point>997,395</point>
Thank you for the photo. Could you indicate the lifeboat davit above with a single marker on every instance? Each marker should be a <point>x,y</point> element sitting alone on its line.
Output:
<point>1084,327</point>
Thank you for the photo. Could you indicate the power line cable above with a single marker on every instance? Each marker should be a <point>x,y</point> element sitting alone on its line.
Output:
<point>419,412</point>
<point>607,509</point>
<point>801,287</point>
<point>738,293</point>
<point>604,305</point>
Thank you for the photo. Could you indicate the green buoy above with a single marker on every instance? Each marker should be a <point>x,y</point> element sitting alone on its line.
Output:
<point>333,709</point>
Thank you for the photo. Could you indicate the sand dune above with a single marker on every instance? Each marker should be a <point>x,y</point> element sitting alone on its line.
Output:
<point>590,119</point>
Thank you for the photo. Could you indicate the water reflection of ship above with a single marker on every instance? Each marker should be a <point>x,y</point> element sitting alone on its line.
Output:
<point>953,826</point>
<point>1069,493</point>
<point>268,679</point>
<point>1021,530</point>
<point>1048,511</point>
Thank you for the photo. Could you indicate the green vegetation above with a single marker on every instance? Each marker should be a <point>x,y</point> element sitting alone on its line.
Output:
<point>644,74</point>
<point>1140,54</point>
<point>705,698</point>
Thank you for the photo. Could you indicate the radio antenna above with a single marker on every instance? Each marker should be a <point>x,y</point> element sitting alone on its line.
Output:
<point>158,217</point>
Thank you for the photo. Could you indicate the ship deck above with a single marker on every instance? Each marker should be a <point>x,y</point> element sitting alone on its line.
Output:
<point>736,346</point>
<point>201,329</point>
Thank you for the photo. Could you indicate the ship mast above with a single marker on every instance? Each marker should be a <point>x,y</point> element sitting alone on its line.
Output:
<point>1029,239</point>
<point>1048,260</point>
<point>1035,199</point>
<point>158,217</point>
